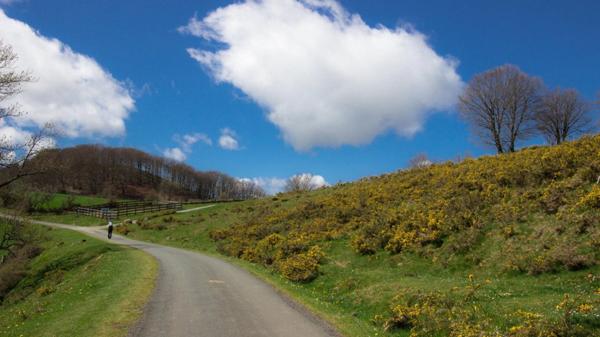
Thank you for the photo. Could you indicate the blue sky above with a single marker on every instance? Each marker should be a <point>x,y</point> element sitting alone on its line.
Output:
<point>138,42</point>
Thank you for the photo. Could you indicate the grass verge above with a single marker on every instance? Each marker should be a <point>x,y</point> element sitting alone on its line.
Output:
<point>79,286</point>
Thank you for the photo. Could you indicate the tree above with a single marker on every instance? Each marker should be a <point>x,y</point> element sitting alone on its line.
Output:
<point>562,114</point>
<point>420,161</point>
<point>11,80</point>
<point>303,182</point>
<point>499,104</point>
<point>14,154</point>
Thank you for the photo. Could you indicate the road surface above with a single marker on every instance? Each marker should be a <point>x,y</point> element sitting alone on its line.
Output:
<point>199,295</point>
<point>195,209</point>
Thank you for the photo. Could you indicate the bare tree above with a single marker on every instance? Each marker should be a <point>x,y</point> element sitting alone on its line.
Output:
<point>420,161</point>
<point>562,114</point>
<point>15,155</point>
<point>11,80</point>
<point>301,183</point>
<point>499,104</point>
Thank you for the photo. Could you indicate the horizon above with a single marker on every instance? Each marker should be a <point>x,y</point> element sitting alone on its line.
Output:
<point>185,82</point>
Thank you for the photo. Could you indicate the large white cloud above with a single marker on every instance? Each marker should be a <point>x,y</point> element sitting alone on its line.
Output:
<point>71,91</point>
<point>325,77</point>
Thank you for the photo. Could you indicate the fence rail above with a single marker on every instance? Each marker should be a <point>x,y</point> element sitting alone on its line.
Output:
<point>115,210</point>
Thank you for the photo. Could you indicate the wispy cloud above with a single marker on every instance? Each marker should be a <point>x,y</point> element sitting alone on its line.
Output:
<point>228,140</point>
<point>186,143</point>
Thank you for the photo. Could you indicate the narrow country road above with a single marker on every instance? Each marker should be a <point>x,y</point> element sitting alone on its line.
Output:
<point>198,295</point>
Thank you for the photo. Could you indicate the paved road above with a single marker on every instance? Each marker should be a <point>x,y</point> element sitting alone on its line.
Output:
<point>195,209</point>
<point>198,295</point>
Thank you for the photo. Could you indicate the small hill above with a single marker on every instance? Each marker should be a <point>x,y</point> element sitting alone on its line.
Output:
<point>130,173</point>
<point>527,216</point>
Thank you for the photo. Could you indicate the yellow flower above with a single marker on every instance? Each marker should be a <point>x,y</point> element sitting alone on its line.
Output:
<point>585,308</point>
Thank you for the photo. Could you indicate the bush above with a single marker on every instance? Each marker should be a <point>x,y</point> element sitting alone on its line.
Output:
<point>592,199</point>
<point>14,267</point>
<point>302,267</point>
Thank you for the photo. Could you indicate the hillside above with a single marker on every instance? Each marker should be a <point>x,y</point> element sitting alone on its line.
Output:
<point>500,245</point>
<point>74,285</point>
<point>128,173</point>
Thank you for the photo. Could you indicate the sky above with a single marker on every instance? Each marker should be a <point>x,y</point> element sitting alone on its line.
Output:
<point>265,90</point>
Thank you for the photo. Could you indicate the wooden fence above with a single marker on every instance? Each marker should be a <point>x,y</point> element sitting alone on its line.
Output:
<point>118,209</point>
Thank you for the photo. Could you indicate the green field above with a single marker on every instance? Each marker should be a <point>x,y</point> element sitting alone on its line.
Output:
<point>353,289</point>
<point>57,201</point>
<point>79,286</point>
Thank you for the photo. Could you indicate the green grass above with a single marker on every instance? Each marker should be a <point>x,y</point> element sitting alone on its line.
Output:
<point>58,199</point>
<point>70,219</point>
<point>79,286</point>
<point>352,289</point>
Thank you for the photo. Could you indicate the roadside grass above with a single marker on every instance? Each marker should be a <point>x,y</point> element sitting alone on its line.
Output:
<point>79,286</point>
<point>58,199</point>
<point>70,219</point>
<point>352,290</point>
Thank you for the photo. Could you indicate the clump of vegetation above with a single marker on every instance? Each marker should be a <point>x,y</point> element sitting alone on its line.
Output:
<point>19,244</point>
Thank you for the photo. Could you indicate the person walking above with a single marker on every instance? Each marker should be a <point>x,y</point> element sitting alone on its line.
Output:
<point>110,229</point>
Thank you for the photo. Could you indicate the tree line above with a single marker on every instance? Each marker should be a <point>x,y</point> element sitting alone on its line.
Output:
<point>127,172</point>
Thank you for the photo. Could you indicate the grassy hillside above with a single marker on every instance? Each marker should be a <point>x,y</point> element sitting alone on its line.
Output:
<point>78,286</point>
<point>501,245</point>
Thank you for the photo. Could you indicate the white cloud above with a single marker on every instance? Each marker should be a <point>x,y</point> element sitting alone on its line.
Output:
<point>9,2</point>
<point>188,140</point>
<point>274,185</point>
<point>12,136</point>
<point>71,91</point>
<point>325,77</point>
<point>269,185</point>
<point>186,143</point>
<point>313,180</point>
<point>228,140</point>
<point>174,153</point>
<point>17,142</point>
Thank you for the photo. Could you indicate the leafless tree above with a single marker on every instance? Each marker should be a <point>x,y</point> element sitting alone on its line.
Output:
<point>299,183</point>
<point>15,155</point>
<point>420,161</point>
<point>15,158</point>
<point>11,80</point>
<point>499,104</point>
<point>562,114</point>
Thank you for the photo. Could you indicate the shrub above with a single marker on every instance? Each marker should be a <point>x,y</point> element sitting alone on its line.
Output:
<point>592,199</point>
<point>122,229</point>
<point>302,267</point>
<point>266,249</point>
